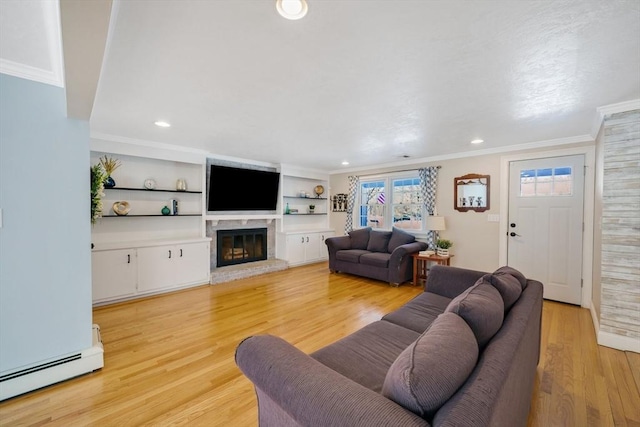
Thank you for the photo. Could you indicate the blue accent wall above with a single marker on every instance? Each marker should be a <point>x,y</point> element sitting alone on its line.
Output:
<point>45,255</point>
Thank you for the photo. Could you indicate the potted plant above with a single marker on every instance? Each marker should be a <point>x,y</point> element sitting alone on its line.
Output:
<point>443,246</point>
<point>109,164</point>
<point>312,208</point>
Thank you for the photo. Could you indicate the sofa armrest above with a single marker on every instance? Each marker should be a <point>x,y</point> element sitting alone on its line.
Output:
<point>338,243</point>
<point>312,393</point>
<point>401,263</point>
<point>406,249</point>
<point>450,281</point>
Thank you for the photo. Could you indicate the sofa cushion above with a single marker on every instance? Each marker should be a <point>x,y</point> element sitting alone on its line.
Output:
<point>379,241</point>
<point>376,259</point>
<point>508,286</point>
<point>366,355</point>
<point>419,313</point>
<point>350,255</point>
<point>515,273</point>
<point>360,238</point>
<point>482,308</point>
<point>399,237</point>
<point>428,372</point>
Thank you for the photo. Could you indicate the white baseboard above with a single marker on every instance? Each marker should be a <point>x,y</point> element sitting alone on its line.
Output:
<point>54,371</point>
<point>608,339</point>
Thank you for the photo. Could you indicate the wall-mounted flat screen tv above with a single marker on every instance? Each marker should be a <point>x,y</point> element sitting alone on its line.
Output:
<point>238,189</point>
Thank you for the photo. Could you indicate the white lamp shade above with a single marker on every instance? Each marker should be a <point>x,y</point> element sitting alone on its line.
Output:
<point>435,223</point>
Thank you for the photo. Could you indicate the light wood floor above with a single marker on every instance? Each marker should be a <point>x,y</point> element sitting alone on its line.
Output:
<point>169,360</point>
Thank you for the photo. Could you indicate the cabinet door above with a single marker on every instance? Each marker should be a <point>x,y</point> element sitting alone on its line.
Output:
<point>113,274</point>
<point>156,268</point>
<point>296,248</point>
<point>324,252</point>
<point>192,263</point>
<point>312,244</point>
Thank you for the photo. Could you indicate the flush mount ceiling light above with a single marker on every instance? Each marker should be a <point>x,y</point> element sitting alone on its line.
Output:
<point>477,141</point>
<point>292,9</point>
<point>345,163</point>
<point>162,124</point>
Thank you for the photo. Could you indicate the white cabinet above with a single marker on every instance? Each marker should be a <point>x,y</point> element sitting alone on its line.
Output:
<point>172,266</point>
<point>114,274</point>
<point>147,268</point>
<point>304,248</point>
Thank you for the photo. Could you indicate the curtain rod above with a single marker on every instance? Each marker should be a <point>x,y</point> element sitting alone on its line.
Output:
<point>403,170</point>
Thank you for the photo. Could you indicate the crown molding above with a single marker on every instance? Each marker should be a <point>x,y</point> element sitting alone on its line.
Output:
<point>607,110</point>
<point>579,139</point>
<point>28,72</point>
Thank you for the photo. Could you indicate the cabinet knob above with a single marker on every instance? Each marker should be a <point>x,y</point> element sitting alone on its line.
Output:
<point>128,258</point>
<point>169,253</point>
<point>307,239</point>
<point>180,253</point>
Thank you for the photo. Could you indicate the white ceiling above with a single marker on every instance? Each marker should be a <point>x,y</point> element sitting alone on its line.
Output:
<point>363,81</point>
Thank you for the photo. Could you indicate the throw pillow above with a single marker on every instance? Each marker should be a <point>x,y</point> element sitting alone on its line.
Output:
<point>508,286</point>
<point>379,241</point>
<point>399,237</point>
<point>360,238</point>
<point>482,308</point>
<point>428,372</point>
<point>515,273</point>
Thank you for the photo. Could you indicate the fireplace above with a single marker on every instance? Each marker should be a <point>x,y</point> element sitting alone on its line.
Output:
<point>240,246</point>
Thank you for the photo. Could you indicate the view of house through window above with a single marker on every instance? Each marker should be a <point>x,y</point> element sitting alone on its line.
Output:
<point>546,182</point>
<point>391,201</point>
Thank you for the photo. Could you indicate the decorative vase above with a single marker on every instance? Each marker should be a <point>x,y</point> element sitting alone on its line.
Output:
<point>181,185</point>
<point>165,211</point>
<point>109,182</point>
<point>442,252</point>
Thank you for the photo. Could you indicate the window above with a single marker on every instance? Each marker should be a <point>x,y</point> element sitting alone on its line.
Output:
<point>546,182</point>
<point>391,201</point>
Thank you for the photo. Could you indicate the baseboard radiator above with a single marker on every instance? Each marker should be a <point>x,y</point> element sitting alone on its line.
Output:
<point>54,371</point>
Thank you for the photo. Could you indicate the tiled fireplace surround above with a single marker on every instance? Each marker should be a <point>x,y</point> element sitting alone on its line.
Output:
<point>233,272</point>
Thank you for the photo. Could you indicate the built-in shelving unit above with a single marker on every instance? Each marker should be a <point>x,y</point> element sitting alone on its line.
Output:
<point>141,254</point>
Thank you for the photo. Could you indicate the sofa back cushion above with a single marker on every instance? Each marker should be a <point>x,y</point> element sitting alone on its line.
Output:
<point>482,308</point>
<point>508,286</point>
<point>428,372</point>
<point>378,241</point>
<point>360,238</point>
<point>515,273</point>
<point>399,237</point>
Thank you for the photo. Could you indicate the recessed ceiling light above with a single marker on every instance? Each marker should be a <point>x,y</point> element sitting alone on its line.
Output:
<point>292,9</point>
<point>162,124</point>
<point>345,163</point>
<point>477,141</point>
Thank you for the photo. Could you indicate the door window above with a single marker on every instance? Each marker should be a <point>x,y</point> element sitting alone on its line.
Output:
<point>546,182</point>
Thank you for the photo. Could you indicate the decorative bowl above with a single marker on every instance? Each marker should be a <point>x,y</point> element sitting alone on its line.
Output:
<point>121,208</point>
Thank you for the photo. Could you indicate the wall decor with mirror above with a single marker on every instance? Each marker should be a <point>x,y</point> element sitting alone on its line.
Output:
<point>471,193</point>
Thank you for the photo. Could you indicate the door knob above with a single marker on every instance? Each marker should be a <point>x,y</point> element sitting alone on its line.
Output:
<point>513,224</point>
<point>512,234</point>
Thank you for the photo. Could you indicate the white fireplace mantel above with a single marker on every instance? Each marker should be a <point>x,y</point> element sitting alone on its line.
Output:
<point>242,218</point>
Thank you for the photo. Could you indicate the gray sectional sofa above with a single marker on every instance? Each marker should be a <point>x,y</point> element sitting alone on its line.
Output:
<point>463,353</point>
<point>380,255</point>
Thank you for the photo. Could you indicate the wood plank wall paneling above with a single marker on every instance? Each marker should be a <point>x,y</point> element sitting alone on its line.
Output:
<point>169,359</point>
<point>620,262</point>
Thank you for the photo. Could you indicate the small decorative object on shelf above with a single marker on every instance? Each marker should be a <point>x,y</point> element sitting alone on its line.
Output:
<point>181,185</point>
<point>339,202</point>
<point>165,211</point>
<point>121,208</point>
<point>287,210</point>
<point>319,190</point>
<point>443,246</point>
<point>312,208</point>
<point>150,184</point>
<point>109,164</point>
<point>174,206</point>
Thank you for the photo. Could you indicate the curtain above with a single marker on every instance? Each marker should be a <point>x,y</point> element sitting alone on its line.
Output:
<point>351,200</point>
<point>428,184</point>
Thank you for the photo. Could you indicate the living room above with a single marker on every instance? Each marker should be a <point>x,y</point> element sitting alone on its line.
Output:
<point>48,312</point>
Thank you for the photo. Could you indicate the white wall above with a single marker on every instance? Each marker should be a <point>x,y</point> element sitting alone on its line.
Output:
<point>45,259</point>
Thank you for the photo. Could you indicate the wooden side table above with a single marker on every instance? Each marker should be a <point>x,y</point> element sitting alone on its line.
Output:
<point>420,267</point>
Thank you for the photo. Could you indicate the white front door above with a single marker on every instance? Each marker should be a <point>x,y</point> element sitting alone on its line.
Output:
<point>546,223</point>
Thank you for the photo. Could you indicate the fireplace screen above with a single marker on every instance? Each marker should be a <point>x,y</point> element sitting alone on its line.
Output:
<point>240,246</point>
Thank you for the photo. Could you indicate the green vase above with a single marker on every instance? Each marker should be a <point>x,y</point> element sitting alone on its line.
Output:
<point>165,211</point>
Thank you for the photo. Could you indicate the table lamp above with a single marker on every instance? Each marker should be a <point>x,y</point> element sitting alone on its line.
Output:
<point>435,224</point>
